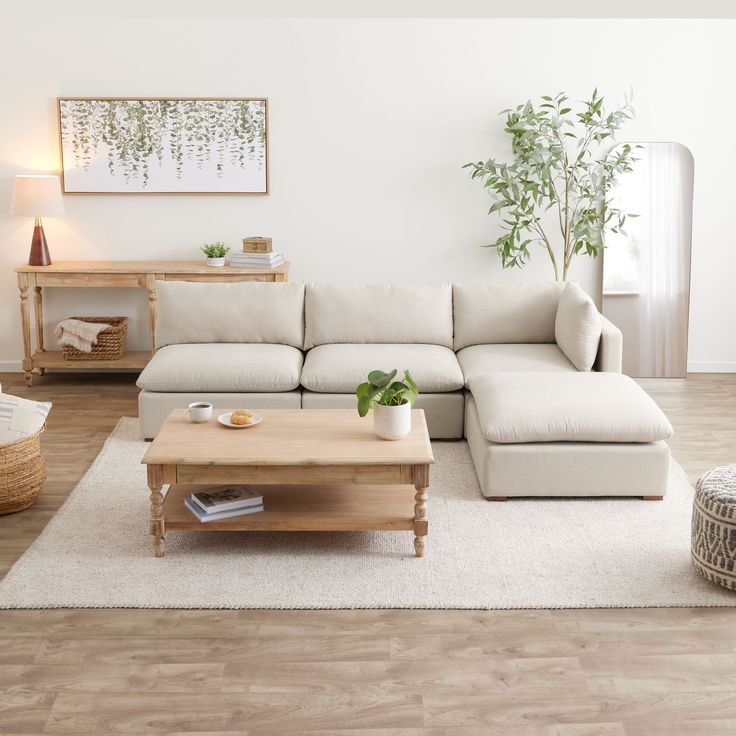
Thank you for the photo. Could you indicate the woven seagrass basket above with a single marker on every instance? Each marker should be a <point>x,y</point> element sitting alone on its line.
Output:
<point>110,342</point>
<point>22,473</point>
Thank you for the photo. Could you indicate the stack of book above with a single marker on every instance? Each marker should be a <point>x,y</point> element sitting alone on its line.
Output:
<point>223,502</point>
<point>257,260</point>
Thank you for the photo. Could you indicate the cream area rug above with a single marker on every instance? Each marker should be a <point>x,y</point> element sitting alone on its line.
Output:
<point>574,553</point>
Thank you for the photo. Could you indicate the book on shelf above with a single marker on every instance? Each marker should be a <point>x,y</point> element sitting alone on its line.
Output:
<point>257,257</point>
<point>220,515</point>
<point>226,498</point>
<point>256,264</point>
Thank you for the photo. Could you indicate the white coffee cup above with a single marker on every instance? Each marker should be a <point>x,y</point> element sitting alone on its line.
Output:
<point>199,411</point>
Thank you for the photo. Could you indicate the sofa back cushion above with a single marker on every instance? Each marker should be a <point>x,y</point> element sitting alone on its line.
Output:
<point>377,313</point>
<point>240,312</point>
<point>505,313</point>
<point>578,327</point>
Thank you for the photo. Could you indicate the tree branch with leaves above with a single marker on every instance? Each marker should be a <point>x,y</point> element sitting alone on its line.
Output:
<point>556,166</point>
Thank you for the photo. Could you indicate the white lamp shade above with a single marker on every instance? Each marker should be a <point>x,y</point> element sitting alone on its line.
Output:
<point>36,195</point>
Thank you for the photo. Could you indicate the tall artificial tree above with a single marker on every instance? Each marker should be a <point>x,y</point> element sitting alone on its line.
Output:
<point>557,165</point>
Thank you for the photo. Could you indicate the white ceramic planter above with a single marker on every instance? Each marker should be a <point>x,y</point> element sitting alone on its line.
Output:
<point>392,422</point>
<point>215,261</point>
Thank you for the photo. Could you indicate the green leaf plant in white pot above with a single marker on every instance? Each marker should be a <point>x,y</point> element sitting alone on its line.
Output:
<point>391,402</point>
<point>215,253</point>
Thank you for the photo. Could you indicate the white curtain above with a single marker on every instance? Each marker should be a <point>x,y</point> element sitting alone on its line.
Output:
<point>649,267</point>
<point>664,259</point>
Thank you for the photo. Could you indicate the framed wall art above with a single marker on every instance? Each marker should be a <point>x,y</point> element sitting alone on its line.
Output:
<point>164,145</point>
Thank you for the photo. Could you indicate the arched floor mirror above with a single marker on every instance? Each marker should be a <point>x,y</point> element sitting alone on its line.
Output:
<point>646,270</point>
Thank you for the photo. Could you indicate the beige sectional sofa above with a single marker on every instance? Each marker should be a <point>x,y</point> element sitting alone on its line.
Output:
<point>309,345</point>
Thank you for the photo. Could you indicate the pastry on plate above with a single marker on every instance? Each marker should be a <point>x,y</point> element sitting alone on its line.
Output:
<point>241,417</point>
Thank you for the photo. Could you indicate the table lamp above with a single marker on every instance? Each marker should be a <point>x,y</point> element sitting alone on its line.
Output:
<point>35,195</point>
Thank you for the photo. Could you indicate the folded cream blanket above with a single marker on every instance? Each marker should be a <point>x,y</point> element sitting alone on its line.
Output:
<point>78,334</point>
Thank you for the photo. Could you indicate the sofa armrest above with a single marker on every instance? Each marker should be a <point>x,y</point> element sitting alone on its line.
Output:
<point>610,348</point>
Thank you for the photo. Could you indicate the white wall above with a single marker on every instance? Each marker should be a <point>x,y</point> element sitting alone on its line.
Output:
<point>370,123</point>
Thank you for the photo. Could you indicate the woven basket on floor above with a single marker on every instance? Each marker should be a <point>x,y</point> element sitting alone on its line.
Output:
<point>110,342</point>
<point>22,473</point>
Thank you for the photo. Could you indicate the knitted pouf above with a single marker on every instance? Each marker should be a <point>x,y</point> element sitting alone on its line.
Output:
<point>714,526</point>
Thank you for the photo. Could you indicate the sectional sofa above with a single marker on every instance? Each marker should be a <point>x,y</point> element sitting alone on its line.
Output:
<point>309,345</point>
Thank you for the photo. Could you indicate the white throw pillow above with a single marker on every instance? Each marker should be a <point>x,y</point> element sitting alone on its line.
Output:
<point>20,418</point>
<point>578,327</point>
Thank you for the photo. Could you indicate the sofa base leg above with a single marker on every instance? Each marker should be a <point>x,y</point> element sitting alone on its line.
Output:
<point>653,498</point>
<point>496,498</point>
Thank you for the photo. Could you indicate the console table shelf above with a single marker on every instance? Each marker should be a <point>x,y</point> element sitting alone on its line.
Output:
<point>112,274</point>
<point>53,359</point>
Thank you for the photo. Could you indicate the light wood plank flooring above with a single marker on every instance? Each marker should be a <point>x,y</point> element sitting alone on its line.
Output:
<point>651,672</point>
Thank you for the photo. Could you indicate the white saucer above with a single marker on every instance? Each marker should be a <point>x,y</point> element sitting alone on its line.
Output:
<point>224,419</point>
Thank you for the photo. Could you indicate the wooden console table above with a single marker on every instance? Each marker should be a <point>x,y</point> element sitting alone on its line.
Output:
<point>113,274</point>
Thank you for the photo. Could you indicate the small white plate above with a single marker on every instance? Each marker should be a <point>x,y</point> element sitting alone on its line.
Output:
<point>224,419</point>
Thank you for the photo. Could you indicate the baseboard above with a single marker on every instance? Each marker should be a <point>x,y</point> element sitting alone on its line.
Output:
<point>694,366</point>
<point>711,366</point>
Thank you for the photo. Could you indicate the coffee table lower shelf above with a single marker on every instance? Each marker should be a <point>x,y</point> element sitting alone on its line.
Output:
<point>291,508</point>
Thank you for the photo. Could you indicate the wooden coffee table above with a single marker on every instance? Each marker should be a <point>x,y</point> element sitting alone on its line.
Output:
<point>318,470</point>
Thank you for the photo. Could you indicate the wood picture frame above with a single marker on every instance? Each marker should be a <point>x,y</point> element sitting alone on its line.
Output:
<point>164,145</point>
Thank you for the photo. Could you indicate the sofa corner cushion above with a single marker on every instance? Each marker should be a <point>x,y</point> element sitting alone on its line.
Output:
<point>578,326</point>
<point>247,312</point>
<point>378,313</point>
<point>234,367</point>
<point>505,313</point>
<point>566,407</point>
<point>341,368</point>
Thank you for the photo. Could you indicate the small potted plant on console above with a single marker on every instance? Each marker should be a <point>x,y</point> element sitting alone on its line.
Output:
<point>215,253</point>
<point>391,402</point>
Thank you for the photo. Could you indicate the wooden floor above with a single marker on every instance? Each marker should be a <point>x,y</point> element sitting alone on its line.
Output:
<point>340,673</point>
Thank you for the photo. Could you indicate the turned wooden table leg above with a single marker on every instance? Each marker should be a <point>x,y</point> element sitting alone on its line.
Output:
<point>158,524</point>
<point>152,309</point>
<point>421,483</point>
<point>25,319</point>
<point>38,322</point>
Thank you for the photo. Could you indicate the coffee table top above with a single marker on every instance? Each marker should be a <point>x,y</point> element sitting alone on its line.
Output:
<point>288,437</point>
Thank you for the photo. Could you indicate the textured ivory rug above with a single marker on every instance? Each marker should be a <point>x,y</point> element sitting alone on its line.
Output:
<point>96,552</point>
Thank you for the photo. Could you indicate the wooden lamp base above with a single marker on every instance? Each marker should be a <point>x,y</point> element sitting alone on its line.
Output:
<point>39,255</point>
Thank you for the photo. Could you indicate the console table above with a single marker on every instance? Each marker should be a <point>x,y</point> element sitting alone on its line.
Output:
<point>113,274</point>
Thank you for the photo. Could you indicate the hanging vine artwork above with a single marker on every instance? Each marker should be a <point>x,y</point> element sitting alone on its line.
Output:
<point>113,144</point>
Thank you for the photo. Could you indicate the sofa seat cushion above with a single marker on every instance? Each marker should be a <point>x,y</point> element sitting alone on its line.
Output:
<point>481,359</point>
<point>341,368</point>
<point>566,407</point>
<point>223,367</point>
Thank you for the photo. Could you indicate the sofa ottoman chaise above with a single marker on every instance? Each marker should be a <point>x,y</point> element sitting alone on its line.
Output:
<point>539,433</point>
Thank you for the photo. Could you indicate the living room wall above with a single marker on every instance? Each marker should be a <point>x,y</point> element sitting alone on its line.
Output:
<point>370,123</point>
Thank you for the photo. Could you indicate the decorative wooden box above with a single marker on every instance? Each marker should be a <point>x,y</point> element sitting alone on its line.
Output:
<point>257,245</point>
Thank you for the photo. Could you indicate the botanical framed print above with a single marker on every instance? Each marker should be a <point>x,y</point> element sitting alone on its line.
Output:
<point>164,145</point>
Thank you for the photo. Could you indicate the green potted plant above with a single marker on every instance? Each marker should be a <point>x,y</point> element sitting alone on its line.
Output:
<point>559,178</point>
<point>215,253</point>
<point>391,402</point>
